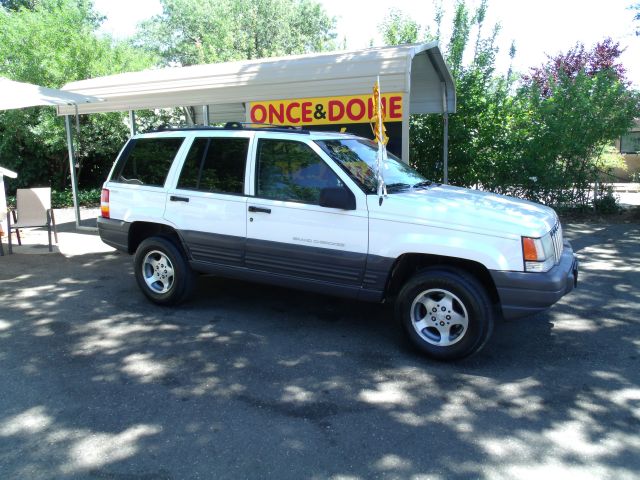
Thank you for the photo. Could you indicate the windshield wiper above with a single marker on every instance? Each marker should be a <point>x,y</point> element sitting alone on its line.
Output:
<point>426,183</point>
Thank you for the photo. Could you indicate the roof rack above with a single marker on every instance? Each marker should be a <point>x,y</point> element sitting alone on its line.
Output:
<point>264,126</point>
<point>258,127</point>
<point>169,128</point>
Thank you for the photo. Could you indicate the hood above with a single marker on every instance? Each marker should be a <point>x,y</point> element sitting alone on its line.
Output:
<point>465,209</point>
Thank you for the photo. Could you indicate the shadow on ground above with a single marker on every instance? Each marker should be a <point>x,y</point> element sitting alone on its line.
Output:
<point>248,381</point>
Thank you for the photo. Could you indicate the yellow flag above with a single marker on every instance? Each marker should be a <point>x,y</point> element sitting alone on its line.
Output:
<point>379,116</point>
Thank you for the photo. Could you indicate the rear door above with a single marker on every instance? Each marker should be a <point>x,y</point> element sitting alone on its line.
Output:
<point>208,204</point>
<point>137,182</point>
<point>288,232</point>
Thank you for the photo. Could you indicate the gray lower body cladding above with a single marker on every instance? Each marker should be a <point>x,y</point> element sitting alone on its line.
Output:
<point>523,294</point>
<point>114,233</point>
<point>340,273</point>
<point>322,270</point>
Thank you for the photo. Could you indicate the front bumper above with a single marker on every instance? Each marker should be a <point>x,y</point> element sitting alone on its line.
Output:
<point>527,293</point>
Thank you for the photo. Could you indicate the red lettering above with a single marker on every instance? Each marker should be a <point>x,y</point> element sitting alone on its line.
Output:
<point>354,110</point>
<point>255,109</point>
<point>276,114</point>
<point>395,107</point>
<point>306,112</point>
<point>351,109</point>
<point>336,110</point>
<point>290,107</point>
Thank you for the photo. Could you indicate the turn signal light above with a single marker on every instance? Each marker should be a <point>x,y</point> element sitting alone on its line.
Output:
<point>104,203</point>
<point>529,249</point>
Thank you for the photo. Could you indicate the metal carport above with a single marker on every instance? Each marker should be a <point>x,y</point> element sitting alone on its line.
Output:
<point>224,89</point>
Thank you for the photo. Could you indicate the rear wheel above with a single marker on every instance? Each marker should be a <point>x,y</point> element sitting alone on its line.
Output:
<point>162,271</point>
<point>445,313</point>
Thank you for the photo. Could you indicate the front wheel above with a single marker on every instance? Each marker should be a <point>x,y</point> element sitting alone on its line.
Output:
<point>445,313</point>
<point>162,272</point>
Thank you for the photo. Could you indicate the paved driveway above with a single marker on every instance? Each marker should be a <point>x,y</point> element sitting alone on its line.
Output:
<point>248,381</point>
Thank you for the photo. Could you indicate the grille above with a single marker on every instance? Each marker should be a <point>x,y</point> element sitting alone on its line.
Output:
<point>558,244</point>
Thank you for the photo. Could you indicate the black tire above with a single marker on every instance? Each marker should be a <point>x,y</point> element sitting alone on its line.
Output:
<point>446,313</point>
<point>162,271</point>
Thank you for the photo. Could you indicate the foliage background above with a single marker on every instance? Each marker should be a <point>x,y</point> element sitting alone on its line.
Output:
<point>542,136</point>
<point>50,43</point>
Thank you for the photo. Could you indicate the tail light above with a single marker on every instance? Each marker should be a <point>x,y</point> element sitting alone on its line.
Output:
<point>104,203</point>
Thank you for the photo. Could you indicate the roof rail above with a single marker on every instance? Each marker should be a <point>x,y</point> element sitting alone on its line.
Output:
<point>169,128</point>
<point>264,126</point>
<point>252,126</point>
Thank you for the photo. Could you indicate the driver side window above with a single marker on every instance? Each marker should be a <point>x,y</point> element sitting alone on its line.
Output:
<point>292,171</point>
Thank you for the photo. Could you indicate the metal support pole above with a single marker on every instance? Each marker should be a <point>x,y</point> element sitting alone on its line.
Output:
<point>77,122</point>
<point>445,135</point>
<point>72,168</point>
<point>405,127</point>
<point>132,123</point>
<point>205,115</point>
<point>445,147</point>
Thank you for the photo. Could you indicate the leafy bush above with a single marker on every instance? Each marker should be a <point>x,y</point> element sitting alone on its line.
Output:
<point>607,202</point>
<point>64,198</point>
<point>543,137</point>
<point>49,43</point>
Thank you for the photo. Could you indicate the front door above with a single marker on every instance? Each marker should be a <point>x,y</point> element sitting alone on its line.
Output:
<point>288,232</point>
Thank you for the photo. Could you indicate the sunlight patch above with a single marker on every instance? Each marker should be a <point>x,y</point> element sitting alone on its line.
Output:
<point>393,462</point>
<point>293,393</point>
<point>32,421</point>
<point>387,392</point>
<point>99,449</point>
<point>576,325</point>
<point>144,366</point>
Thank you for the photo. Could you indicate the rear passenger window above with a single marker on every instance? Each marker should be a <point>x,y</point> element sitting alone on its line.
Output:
<point>215,165</point>
<point>146,161</point>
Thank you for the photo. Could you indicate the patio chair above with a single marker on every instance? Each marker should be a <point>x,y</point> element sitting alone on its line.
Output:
<point>33,209</point>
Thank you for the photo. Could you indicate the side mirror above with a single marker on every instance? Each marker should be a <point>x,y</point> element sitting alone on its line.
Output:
<point>337,197</point>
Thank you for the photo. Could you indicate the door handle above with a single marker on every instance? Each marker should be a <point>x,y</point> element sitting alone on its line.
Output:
<point>259,209</point>
<point>174,198</point>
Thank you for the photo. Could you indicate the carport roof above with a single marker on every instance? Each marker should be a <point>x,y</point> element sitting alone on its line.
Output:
<point>417,70</point>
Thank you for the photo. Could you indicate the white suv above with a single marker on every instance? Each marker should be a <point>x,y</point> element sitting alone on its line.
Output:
<point>299,209</point>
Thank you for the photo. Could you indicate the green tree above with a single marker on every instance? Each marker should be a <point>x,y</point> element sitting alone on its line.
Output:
<point>543,140</point>
<point>399,28</point>
<point>479,125</point>
<point>570,109</point>
<point>18,4</point>
<point>51,44</point>
<point>192,32</point>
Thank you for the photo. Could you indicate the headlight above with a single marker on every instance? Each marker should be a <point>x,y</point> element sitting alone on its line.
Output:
<point>538,253</point>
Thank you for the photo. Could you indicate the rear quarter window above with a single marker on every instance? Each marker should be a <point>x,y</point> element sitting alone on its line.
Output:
<point>146,161</point>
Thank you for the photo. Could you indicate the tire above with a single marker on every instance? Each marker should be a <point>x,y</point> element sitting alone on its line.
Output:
<point>162,271</point>
<point>445,313</point>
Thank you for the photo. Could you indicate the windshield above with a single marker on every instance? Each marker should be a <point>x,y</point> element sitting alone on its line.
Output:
<point>358,158</point>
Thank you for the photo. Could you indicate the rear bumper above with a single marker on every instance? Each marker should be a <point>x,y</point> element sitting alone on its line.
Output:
<point>523,294</point>
<point>114,233</point>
